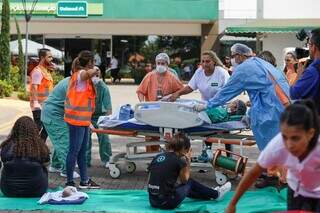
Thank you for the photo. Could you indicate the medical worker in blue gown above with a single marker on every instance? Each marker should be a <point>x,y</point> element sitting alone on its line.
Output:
<point>259,79</point>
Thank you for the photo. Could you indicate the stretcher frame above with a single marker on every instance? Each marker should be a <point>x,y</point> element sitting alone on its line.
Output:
<point>132,155</point>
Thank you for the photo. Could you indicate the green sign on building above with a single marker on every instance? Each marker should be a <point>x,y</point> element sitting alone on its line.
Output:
<point>72,9</point>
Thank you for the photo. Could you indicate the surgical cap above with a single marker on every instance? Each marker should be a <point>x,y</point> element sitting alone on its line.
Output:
<point>241,49</point>
<point>163,56</point>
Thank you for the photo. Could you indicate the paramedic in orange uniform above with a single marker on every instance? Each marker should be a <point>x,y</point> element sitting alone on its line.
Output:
<point>40,87</point>
<point>79,107</point>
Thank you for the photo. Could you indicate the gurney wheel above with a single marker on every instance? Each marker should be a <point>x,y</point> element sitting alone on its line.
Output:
<point>131,167</point>
<point>220,178</point>
<point>115,172</point>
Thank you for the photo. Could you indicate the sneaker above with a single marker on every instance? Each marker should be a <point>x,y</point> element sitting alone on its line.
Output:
<point>204,158</point>
<point>223,190</point>
<point>89,185</point>
<point>70,184</point>
<point>107,165</point>
<point>75,174</point>
<point>52,169</point>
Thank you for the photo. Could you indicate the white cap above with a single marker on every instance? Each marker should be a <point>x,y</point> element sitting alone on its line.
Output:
<point>163,56</point>
<point>241,49</point>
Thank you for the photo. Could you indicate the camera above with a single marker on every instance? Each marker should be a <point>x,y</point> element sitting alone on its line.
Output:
<point>301,52</point>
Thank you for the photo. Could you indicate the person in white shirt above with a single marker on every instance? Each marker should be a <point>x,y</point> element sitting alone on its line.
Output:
<point>296,147</point>
<point>208,79</point>
<point>114,69</point>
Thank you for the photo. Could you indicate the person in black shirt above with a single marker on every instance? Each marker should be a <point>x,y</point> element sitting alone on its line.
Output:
<point>169,177</point>
<point>24,157</point>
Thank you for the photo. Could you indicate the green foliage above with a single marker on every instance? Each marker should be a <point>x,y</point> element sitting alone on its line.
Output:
<point>149,51</point>
<point>4,41</point>
<point>5,89</point>
<point>56,77</point>
<point>20,55</point>
<point>23,94</point>
<point>15,77</point>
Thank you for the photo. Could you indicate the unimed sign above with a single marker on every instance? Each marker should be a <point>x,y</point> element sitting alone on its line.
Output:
<point>72,9</point>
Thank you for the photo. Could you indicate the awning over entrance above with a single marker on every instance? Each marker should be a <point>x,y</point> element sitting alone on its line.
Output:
<point>272,26</point>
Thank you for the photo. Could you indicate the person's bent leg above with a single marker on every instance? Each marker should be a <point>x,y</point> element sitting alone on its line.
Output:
<point>200,191</point>
<point>76,135</point>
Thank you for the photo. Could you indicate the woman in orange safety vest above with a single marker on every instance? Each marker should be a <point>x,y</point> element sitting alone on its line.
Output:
<point>79,106</point>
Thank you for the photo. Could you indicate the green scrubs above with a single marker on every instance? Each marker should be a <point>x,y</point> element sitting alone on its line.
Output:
<point>103,105</point>
<point>52,114</point>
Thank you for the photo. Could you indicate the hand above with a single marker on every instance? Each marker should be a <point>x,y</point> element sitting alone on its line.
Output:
<point>166,98</point>
<point>174,97</point>
<point>189,154</point>
<point>36,105</point>
<point>200,107</point>
<point>91,126</point>
<point>301,68</point>
<point>231,209</point>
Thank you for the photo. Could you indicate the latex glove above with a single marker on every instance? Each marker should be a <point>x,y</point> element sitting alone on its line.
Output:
<point>36,105</point>
<point>166,98</point>
<point>200,107</point>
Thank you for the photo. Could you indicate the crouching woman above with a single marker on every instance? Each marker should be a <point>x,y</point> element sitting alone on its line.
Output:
<point>24,157</point>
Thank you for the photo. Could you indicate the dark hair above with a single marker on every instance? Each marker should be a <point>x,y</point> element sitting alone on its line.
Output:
<point>179,142</point>
<point>303,114</point>
<point>315,37</point>
<point>84,57</point>
<point>269,57</point>
<point>241,108</point>
<point>43,53</point>
<point>26,140</point>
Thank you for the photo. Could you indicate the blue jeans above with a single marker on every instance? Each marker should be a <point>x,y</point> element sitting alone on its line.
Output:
<point>78,137</point>
<point>191,189</point>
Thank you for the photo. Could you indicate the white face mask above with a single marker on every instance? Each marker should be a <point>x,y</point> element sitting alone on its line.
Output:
<point>95,79</point>
<point>161,68</point>
<point>234,63</point>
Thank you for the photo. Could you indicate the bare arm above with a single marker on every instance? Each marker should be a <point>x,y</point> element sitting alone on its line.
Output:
<point>184,174</point>
<point>88,74</point>
<point>140,96</point>
<point>185,90</point>
<point>34,92</point>
<point>243,186</point>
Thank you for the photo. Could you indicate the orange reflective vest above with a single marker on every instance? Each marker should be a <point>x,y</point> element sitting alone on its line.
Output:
<point>45,86</point>
<point>79,105</point>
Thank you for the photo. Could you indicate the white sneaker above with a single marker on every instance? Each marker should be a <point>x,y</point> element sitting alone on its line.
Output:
<point>53,169</point>
<point>75,174</point>
<point>107,165</point>
<point>223,190</point>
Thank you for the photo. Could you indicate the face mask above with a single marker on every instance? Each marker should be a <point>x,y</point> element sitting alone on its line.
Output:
<point>95,79</point>
<point>234,63</point>
<point>161,68</point>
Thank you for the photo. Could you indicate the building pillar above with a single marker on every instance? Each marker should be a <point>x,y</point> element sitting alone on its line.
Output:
<point>210,37</point>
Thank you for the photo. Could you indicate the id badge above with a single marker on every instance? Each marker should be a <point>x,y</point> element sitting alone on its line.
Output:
<point>214,84</point>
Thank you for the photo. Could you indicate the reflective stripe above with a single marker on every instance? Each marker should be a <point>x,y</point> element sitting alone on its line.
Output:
<point>78,108</point>
<point>78,117</point>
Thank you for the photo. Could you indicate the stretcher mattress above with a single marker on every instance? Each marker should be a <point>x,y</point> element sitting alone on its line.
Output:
<point>132,124</point>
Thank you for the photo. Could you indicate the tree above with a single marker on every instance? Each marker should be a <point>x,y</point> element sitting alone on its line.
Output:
<point>5,57</point>
<point>20,56</point>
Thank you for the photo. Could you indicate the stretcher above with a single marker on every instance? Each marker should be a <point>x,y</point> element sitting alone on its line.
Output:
<point>162,120</point>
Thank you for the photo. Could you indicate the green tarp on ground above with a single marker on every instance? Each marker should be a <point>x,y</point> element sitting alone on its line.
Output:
<point>266,200</point>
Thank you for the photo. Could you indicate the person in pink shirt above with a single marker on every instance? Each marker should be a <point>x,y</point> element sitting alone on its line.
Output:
<point>297,147</point>
<point>157,84</point>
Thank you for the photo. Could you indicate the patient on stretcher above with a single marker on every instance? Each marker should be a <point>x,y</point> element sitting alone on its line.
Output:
<point>232,111</point>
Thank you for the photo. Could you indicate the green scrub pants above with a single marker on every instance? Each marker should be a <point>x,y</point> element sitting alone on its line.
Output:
<point>105,150</point>
<point>59,136</point>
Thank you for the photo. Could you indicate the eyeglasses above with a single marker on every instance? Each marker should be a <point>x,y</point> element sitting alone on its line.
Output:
<point>206,61</point>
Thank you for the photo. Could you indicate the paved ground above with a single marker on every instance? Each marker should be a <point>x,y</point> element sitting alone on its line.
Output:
<point>121,94</point>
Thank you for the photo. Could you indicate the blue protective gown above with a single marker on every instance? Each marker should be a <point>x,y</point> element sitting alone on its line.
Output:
<point>253,76</point>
